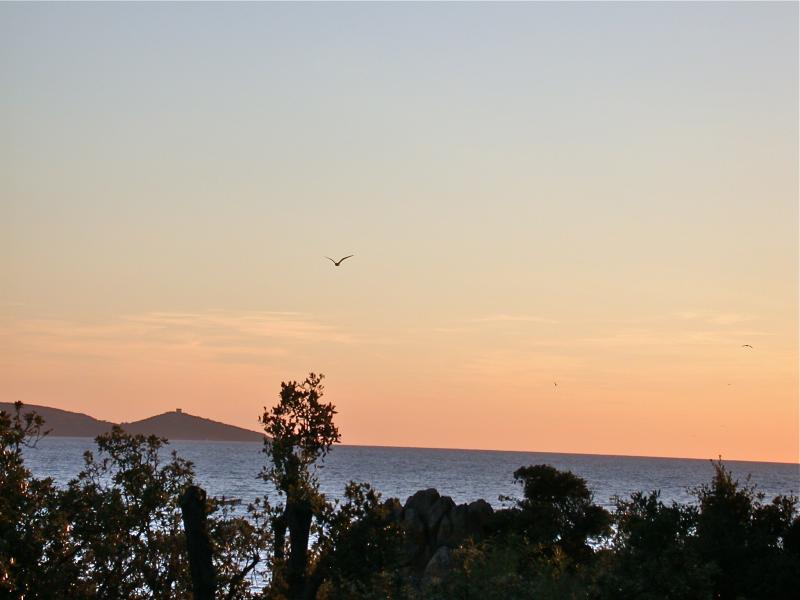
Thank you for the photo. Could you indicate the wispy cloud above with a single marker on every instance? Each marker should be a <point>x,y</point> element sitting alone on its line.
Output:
<point>519,369</point>
<point>712,317</point>
<point>450,329</point>
<point>217,335</point>
<point>729,319</point>
<point>258,324</point>
<point>506,318</point>
<point>502,322</point>
<point>652,337</point>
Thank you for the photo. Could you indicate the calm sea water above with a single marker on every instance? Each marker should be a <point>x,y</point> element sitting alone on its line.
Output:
<point>230,469</point>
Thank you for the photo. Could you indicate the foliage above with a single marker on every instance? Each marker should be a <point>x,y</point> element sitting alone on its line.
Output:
<point>115,531</point>
<point>242,545</point>
<point>125,518</point>
<point>743,539</point>
<point>358,546</point>
<point>557,510</point>
<point>655,552</point>
<point>352,541</point>
<point>300,432</point>
<point>511,566</point>
<point>539,547</point>
<point>34,539</point>
<point>549,545</point>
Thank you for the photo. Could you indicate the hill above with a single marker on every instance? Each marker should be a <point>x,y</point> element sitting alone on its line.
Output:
<point>175,425</point>
<point>178,425</point>
<point>63,422</point>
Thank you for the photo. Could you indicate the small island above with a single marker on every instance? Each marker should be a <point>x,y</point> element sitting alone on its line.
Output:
<point>174,425</point>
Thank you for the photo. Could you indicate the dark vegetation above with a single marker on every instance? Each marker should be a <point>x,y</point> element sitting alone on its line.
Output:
<point>133,525</point>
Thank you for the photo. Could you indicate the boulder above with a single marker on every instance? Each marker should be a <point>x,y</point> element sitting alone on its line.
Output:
<point>439,510</point>
<point>479,513</point>
<point>416,548</point>
<point>434,525</point>
<point>421,503</point>
<point>438,566</point>
<point>414,526</point>
<point>453,528</point>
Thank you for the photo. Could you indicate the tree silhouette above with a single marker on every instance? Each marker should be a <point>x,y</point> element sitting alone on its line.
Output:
<point>301,432</point>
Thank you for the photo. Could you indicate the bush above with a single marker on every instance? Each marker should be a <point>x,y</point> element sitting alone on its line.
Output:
<point>116,531</point>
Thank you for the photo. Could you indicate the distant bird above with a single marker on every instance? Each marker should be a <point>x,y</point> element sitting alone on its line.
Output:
<point>747,346</point>
<point>336,263</point>
<point>555,384</point>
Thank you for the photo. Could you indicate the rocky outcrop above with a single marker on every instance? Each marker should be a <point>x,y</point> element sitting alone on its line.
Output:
<point>438,566</point>
<point>434,525</point>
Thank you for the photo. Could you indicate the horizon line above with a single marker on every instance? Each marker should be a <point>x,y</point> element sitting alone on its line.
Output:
<point>262,432</point>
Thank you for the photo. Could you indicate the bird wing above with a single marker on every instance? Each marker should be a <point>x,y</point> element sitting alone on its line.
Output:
<point>348,256</point>
<point>330,259</point>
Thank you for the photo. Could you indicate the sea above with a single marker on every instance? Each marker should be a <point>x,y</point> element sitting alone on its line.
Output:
<point>230,469</point>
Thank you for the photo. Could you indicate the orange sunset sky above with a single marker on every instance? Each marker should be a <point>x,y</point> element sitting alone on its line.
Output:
<point>599,195</point>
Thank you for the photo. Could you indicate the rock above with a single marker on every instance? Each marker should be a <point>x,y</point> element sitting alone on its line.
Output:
<point>462,522</point>
<point>438,566</point>
<point>453,528</point>
<point>439,509</point>
<point>421,503</point>
<point>434,524</point>
<point>460,519</point>
<point>415,540</point>
<point>416,532</point>
<point>478,515</point>
<point>444,535</point>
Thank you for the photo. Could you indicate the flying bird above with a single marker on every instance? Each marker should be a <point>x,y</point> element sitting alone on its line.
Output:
<point>747,346</point>
<point>336,263</point>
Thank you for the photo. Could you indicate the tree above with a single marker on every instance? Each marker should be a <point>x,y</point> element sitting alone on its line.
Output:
<point>358,548</point>
<point>747,542</point>
<point>537,548</point>
<point>35,546</point>
<point>557,509</point>
<point>125,516</point>
<point>115,530</point>
<point>300,432</point>
<point>655,552</point>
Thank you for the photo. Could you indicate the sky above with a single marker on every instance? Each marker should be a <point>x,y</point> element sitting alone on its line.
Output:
<point>602,196</point>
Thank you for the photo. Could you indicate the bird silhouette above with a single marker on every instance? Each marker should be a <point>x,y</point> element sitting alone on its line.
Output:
<point>336,263</point>
<point>747,346</point>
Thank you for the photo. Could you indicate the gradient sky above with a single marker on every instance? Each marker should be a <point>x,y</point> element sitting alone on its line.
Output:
<point>602,195</point>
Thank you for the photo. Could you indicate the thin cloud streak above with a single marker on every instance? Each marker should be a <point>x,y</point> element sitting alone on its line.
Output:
<point>204,335</point>
<point>647,337</point>
<point>712,317</point>
<point>506,318</point>
<point>268,324</point>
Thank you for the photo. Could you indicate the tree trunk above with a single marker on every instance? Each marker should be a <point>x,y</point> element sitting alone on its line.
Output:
<point>279,533</point>
<point>298,519</point>
<point>193,507</point>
